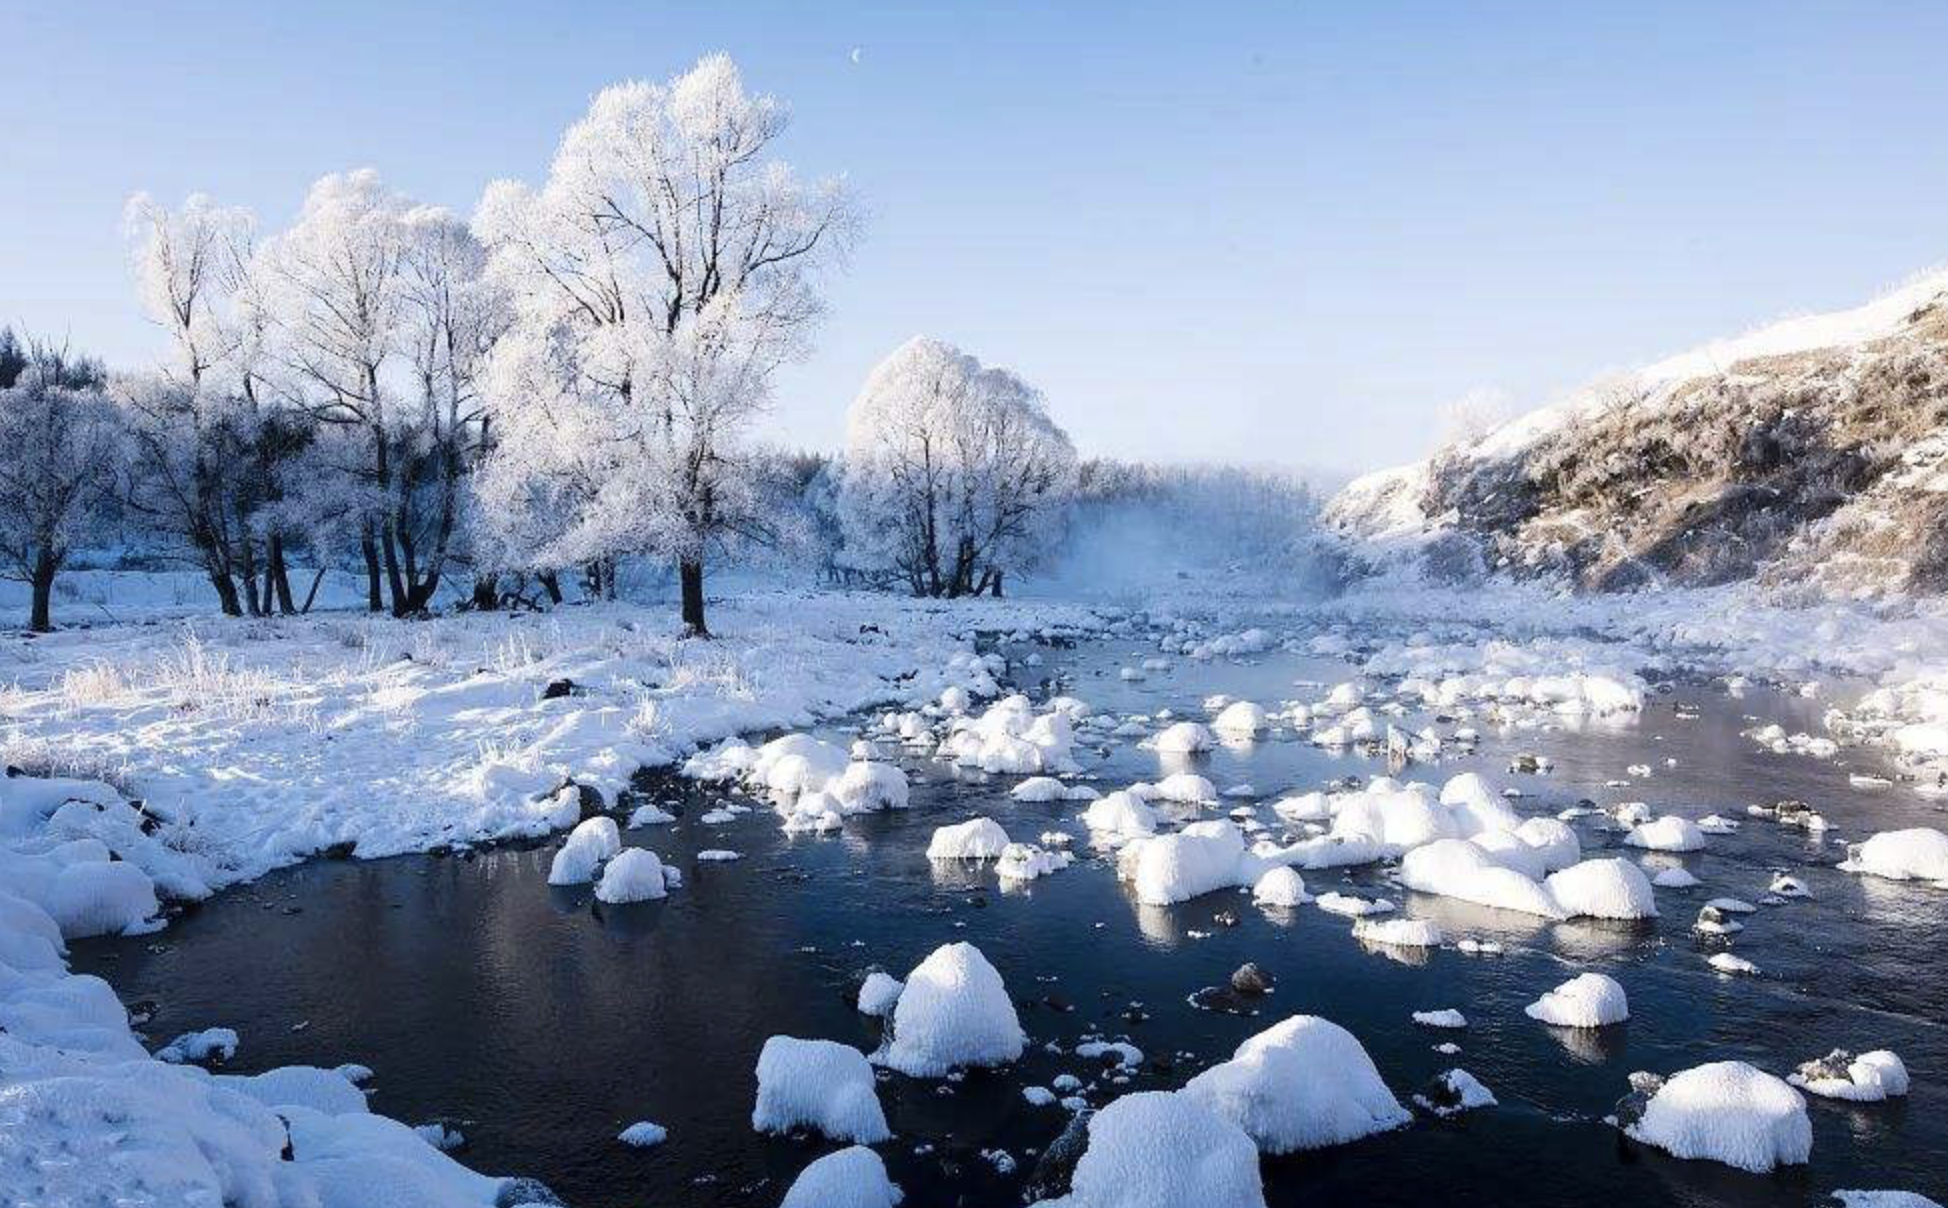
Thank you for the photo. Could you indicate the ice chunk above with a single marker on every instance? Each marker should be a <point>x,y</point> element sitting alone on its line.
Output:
<point>1305,1083</point>
<point>1399,933</point>
<point>818,1084</point>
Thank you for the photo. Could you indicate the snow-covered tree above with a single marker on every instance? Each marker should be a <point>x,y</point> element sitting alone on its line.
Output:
<point>385,319</point>
<point>57,458</point>
<point>954,473</point>
<point>662,273</point>
<point>208,431</point>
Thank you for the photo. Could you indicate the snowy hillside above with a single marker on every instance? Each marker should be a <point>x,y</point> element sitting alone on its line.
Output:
<point>1806,454</point>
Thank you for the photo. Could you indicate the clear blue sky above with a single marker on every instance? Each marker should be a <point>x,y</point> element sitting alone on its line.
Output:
<point>1282,233</point>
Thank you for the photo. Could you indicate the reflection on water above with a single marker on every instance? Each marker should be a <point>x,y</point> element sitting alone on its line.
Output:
<point>546,1022</point>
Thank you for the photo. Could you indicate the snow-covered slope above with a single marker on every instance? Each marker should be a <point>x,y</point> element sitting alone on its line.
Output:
<point>1811,453</point>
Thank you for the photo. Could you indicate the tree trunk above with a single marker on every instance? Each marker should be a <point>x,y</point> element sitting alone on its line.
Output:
<point>226,593</point>
<point>278,575</point>
<point>45,565</point>
<point>312,595</point>
<point>691,572</point>
<point>552,582</point>
<point>486,592</point>
<point>375,600</point>
<point>997,585</point>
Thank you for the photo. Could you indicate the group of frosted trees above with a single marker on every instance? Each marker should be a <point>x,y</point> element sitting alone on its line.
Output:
<point>564,384</point>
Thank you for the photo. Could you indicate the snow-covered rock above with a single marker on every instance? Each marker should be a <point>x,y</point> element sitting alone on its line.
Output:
<point>818,1084</point>
<point>975,839</point>
<point>588,845</point>
<point>854,1177</point>
<point>867,786</point>
<point>1304,1083</point>
<point>1156,1149</point>
<point>1868,1078</point>
<point>1280,887</point>
<point>1669,833</point>
<point>635,875</point>
<point>1181,738</point>
<point>1918,854</point>
<point>1604,889</point>
<point>1204,856</point>
<point>1240,719</point>
<point>954,1012</point>
<point>1728,1112</point>
<point>1588,1000</point>
<point>879,993</point>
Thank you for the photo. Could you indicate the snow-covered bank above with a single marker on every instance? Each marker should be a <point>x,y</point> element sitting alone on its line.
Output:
<point>255,744</point>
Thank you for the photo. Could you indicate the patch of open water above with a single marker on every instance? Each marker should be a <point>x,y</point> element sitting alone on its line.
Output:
<point>545,1023</point>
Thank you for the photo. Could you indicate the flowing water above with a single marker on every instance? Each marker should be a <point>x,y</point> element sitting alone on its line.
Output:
<point>543,1023</point>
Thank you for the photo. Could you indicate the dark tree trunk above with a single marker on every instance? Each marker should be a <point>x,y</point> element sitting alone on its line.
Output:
<point>226,593</point>
<point>551,582</point>
<point>45,566</point>
<point>375,600</point>
<point>486,592</point>
<point>690,571</point>
<point>278,576</point>
<point>996,585</point>
<point>312,595</point>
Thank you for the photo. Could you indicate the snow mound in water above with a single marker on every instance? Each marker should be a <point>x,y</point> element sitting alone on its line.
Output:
<point>954,1012</point>
<point>1590,1000</point>
<point>643,1134</point>
<point>1399,933</point>
<point>587,846</point>
<point>1868,1078</point>
<point>1196,860</point>
<point>1186,787</point>
<point>1728,1112</point>
<point>635,875</point>
<point>1604,889</point>
<point>1460,868</point>
<point>1120,815</point>
<point>1280,887</point>
<point>1478,804</point>
<point>1048,788</point>
<point>797,763</point>
<point>1305,1083</point>
<point>1182,738</point>
<point>879,993</point>
<point>819,1084</point>
<point>851,1178</point>
<point>1156,1149</point>
<point>1026,861</point>
<point>1240,719</point>
<point>1669,833</point>
<point>867,786</point>
<point>1010,738</point>
<point>975,839</point>
<point>1919,854</point>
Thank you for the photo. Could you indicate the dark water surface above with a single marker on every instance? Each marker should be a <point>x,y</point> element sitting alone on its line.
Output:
<point>545,1024</point>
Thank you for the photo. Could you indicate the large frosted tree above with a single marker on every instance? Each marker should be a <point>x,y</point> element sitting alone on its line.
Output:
<point>953,474</point>
<point>663,271</point>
